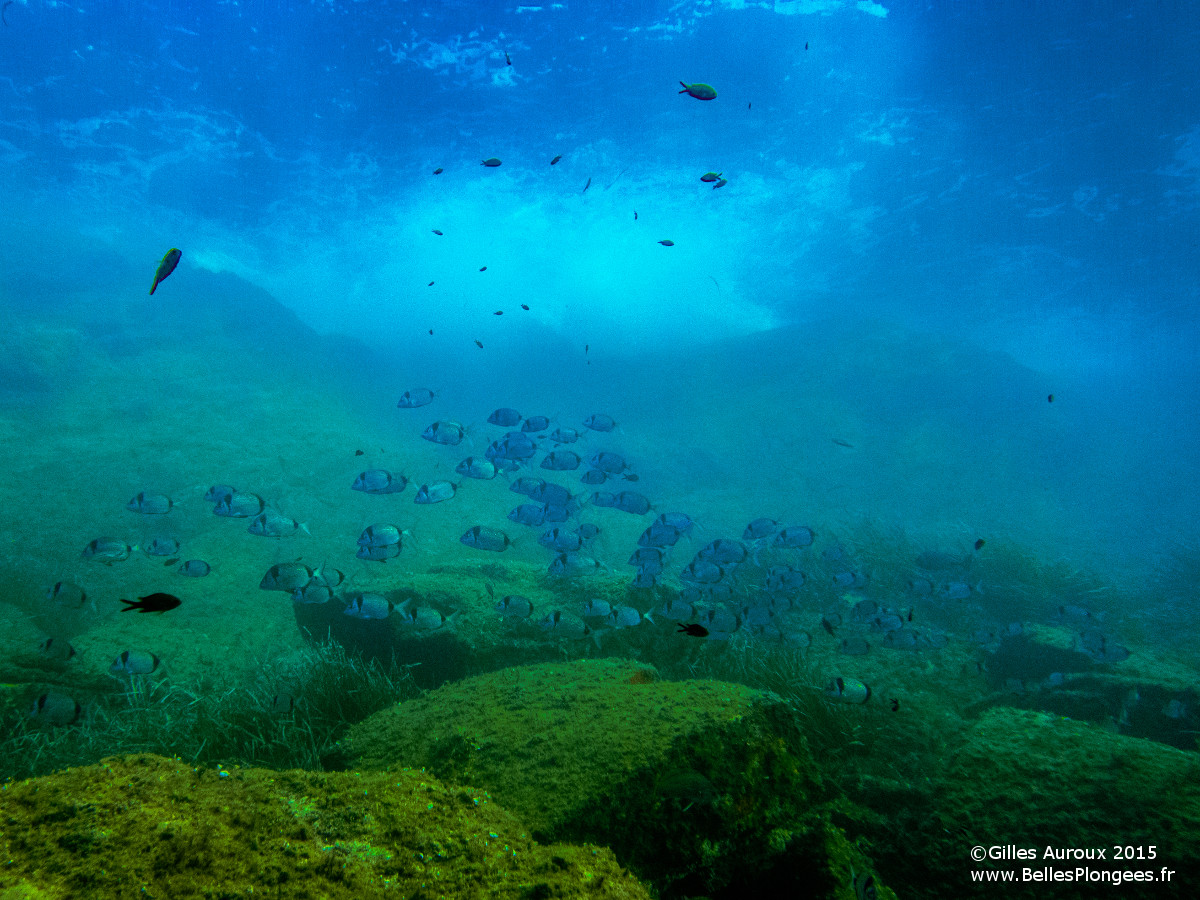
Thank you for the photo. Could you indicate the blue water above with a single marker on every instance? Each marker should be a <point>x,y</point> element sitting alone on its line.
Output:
<point>949,291</point>
<point>1023,182</point>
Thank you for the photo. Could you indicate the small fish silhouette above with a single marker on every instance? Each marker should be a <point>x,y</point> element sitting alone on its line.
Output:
<point>156,603</point>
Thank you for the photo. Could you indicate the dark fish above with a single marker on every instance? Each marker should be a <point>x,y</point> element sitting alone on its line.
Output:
<point>586,186</point>
<point>514,607</point>
<point>536,423</point>
<point>491,162</point>
<point>51,708</point>
<point>561,461</point>
<point>479,344</point>
<point>171,562</point>
<point>794,537</point>
<point>722,552</point>
<point>483,268</point>
<point>437,171</point>
<point>498,312</point>
<point>895,705</point>
<point>847,690</point>
<point>632,502</point>
<point>525,306</point>
<point>380,534</point>
<point>699,90</point>
<point>378,554</point>
<point>436,492</point>
<point>67,594</point>
<point>134,662</point>
<point>507,61</point>
<point>482,538</point>
<point>721,182</point>
<point>161,546</point>
<point>368,606</point>
<point>150,504</point>
<point>635,215</point>
<point>554,161</point>
<point>166,267</point>
<point>446,433</point>
<point>842,443</point>
<point>474,467</point>
<point>155,603</point>
<point>569,564</point>
<point>551,495</point>
<point>1050,398</point>
<point>710,177</point>
<point>561,541</point>
<point>702,572</point>
<point>760,528</point>
<point>288,576</point>
<point>979,544</point>
<point>379,481</point>
<point>667,243</point>
<point>505,417</point>
<point>312,594</point>
<point>430,285</point>
<point>527,486</point>
<point>607,461</point>
<point>599,422</point>
<point>240,505</point>
<point>562,435</point>
<point>358,453</point>
<point>217,491</point>
<point>269,523</point>
<point>438,233</point>
<point>53,648</point>
<point>533,514</point>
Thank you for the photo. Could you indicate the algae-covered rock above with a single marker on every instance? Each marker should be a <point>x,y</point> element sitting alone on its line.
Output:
<point>150,826</point>
<point>697,785</point>
<point>1036,781</point>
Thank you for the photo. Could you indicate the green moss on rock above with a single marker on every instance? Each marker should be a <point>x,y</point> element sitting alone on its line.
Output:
<point>1033,780</point>
<point>697,785</point>
<point>146,822</point>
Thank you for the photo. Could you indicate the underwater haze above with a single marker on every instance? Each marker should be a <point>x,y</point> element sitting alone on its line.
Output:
<point>922,278</point>
<point>1022,184</point>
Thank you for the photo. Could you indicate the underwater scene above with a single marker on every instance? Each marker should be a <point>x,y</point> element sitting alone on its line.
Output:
<point>706,448</point>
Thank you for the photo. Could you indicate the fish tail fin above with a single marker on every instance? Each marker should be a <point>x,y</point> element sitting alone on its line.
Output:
<point>132,604</point>
<point>685,87</point>
<point>304,527</point>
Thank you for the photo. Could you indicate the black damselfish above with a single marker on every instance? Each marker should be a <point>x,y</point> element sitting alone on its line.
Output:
<point>156,603</point>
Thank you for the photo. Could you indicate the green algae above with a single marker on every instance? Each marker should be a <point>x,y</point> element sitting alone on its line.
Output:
<point>150,826</point>
<point>698,786</point>
<point>1034,780</point>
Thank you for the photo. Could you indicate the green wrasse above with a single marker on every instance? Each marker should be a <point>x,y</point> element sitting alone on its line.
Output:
<point>166,267</point>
